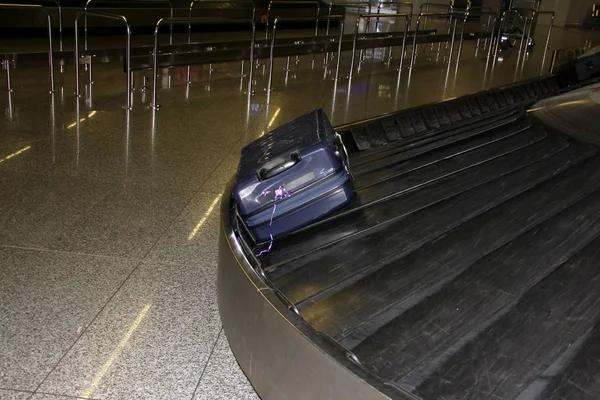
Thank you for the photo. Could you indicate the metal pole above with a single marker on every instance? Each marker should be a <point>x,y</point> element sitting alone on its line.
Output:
<point>414,46</point>
<point>8,80</point>
<point>521,48</point>
<point>251,64</point>
<point>76,58</point>
<point>50,52</point>
<point>406,28</point>
<point>50,45</point>
<point>125,2</point>
<point>452,41</point>
<point>128,104</point>
<point>171,15</point>
<point>188,21</point>
<point>462,37</point>
<point>155,65</point>
<point>85,25</point>
<point>328,15</point>
<point>272,48</point>
<point>315,2</point>
<point>271,61</point>
<point>491,45</point>
<point>60,26</point>
<point>547,43</point>
<point>127,48</point>
<point>354,46</point>
<point>339,58</point>
<point>499,36</point>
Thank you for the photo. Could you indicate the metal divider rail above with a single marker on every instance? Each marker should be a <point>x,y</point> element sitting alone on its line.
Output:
<point>273,38</point>
<point>116,17</point>
<point>126,3</point>
<point>196,20</point>
<point>50,45</point>
<point>368,16</point>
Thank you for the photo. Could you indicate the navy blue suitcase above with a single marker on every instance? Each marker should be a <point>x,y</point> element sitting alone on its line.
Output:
<point>292,177</point>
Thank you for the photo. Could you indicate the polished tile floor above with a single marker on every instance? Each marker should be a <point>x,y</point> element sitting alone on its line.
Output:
<point>109,218</point>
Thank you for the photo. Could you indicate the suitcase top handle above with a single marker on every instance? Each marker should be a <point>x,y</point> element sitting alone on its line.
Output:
<point>264,174</point>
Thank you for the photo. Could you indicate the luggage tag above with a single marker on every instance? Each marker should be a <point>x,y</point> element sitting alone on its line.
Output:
<point>345,157</point>
<point>280,193</point>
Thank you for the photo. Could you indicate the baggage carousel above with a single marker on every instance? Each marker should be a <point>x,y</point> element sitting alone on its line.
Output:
<point>465,268</point>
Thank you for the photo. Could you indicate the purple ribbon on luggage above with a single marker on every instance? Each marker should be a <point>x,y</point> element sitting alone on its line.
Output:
<point>280,193</point>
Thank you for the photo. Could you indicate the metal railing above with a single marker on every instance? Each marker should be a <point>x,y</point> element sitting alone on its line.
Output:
<point>193,3</point>
<point>50,45</point>
<point>433,14</point>
<point>126,3</point>
<point>492,17</point>
<point>358,4</point>
<point>285,2</point>
<point>127,49</point>
<point>368,16</point>
<point>60,19</point>
<point>426,8</point>
<point>215,2</point>
<point>552,17</point>
<point>503,20</point>
<point>399,5</point>
<point>197,20</point>
<point>272,50</point>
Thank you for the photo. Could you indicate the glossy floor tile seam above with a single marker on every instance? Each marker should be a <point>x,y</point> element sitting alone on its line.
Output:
<point>210,355</point>
<point>84,330</point>
<point>124,282</point>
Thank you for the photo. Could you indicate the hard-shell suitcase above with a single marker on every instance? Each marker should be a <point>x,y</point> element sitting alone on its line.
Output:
<point>292,177</point>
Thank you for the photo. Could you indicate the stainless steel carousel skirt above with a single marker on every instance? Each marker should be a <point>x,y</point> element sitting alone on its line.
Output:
<point>279,353</point>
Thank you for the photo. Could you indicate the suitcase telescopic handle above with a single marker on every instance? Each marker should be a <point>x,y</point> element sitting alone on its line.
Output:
<point>269,173</point>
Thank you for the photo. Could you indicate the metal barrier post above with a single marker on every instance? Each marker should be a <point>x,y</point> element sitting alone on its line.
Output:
<point>126,2</point>
<point>50,45</point>
<point>272,50</point>
<point>501,28</point>
<point>317,3</point>
<point>462,38</point>
<point>185,21</point>
<point>355,40</point>
<point>428,6</point>
<point>6,65</point>
<point>398,4</point>
<point>547,37</point>
<point>60,20</point>
<point>414,47</point>
<point>116,17</point>
<point>357,4</point>
<point>215,2</point>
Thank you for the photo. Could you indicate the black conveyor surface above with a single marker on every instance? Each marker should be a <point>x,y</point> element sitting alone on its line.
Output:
<point>468,266</point>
